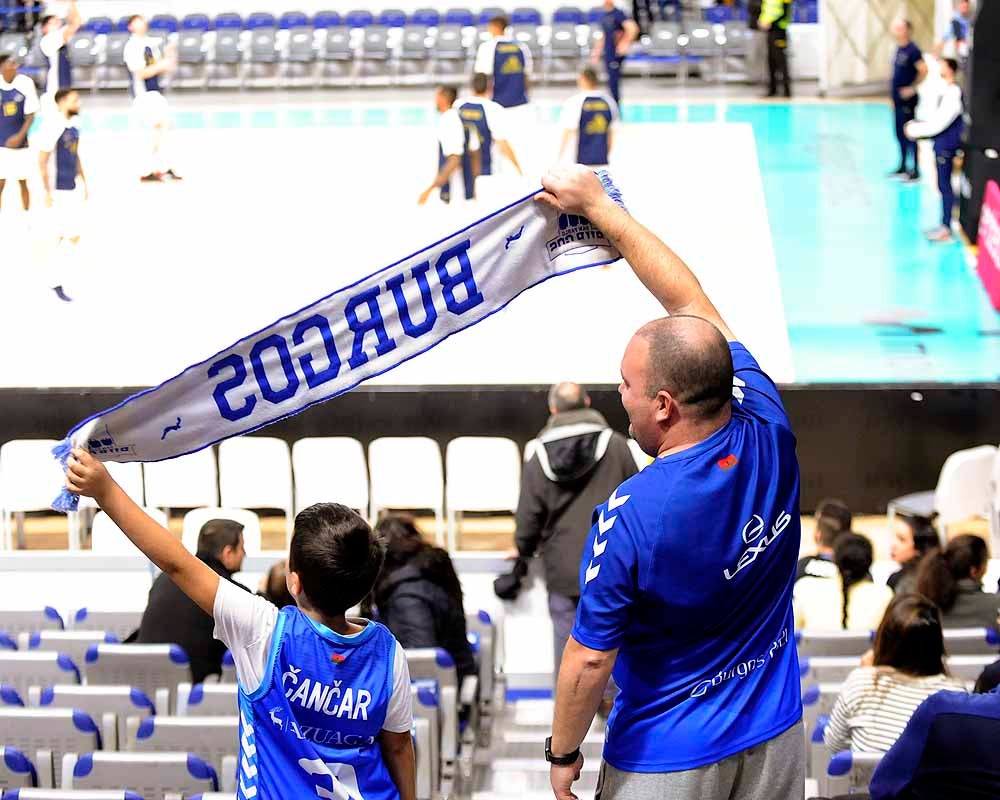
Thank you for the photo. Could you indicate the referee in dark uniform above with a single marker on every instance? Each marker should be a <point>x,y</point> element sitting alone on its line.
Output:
<point>617,34</point>
<point>774,18</point>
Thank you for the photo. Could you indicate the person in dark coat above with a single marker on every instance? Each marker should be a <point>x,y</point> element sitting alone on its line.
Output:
<point>418,595</point>
<point>171,617</point>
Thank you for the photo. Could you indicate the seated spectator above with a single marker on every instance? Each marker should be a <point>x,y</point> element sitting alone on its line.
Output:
<point>171,617</point>
<point>877,701</point>
<point>418,595</point>
<point>948,750</point>
<point>988,679</point>
<point>852,600</point>
<point>833,518</point>
<point>274,587</point>
<point>912,537</point>
<point>953,579</point>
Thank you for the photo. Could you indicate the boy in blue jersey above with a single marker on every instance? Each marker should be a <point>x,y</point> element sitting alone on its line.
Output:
<point>590,116</point>
<point>613,43</point>
<point>324,700</point>
<point>908,72</point>
<point>945,127</point>
<point>54,45</point>
<point>18,105</point>
<point>507,62</point>
<point>686,579</point>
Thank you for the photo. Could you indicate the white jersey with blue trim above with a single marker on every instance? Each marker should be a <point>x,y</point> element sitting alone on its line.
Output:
<point>139,53</point>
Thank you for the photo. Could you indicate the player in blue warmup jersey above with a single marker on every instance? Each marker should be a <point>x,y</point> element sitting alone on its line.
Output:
<point>617,34</point>
<point>686,579</point>
<point>484,120</point>
<point>60,137</point>
<point>507,62</point>
<point>54,45</point>
<point>590,116</point>
<point>18,104</point>
<point>908,71</point>
<point>456,147</point>
<point>324,700</point>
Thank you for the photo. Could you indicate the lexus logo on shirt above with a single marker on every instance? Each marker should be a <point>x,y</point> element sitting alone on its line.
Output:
<point>756,542</point>
<point>753,529</point>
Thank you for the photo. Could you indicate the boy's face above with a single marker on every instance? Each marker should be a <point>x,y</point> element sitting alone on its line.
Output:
<point>8,70</point>
<point>70,104</point>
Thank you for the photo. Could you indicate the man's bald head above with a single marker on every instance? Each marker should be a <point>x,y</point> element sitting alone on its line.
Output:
<point>689,358</point>
<point>567,396</point>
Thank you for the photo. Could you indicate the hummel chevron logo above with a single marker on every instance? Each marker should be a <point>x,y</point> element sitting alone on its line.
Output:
<point>738,386</point>
<point>603,526</point>
<point>615,501</point>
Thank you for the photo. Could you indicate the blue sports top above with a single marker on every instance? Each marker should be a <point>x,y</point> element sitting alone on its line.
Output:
<point>510,86</point>
<point>904,70</point>
<point>688,571</point>
<point>612,22</point>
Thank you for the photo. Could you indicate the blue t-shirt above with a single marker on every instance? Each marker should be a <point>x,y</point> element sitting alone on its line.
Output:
<point>904,70</point>
<point>11,114</point>
<point>596,117</point>
<point>312,727</point>
<point>688,571</point>
<point>473,116</point>
<point>67,158</point>
<point>611,23</point>
<point>510,87</point>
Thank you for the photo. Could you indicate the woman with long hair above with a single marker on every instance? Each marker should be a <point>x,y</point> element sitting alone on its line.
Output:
<point>418,595</point>
<point>911,538</point>
<point>877,701</point>
<point>953,579</point>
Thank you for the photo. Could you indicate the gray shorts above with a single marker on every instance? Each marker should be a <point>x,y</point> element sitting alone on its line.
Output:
<point>772,770</point>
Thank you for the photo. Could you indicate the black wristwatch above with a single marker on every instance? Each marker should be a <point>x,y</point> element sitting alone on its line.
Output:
<point>560,761</point>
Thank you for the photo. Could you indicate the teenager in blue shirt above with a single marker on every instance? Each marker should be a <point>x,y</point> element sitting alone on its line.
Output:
<point>589,116</point>
<point>908,72</point>
<point>612,44</point>
<point>507,62</point>
<point>324,700</point>
<point>686,579</point>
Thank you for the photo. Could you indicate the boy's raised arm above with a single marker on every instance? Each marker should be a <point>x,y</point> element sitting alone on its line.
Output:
<point>88,476</point>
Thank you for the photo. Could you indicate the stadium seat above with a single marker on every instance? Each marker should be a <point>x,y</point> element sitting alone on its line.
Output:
<point>108,706</point>
<point>428,17</point>
<point>112,72</point>
<point>483,474</point>
<point>359,18</point>
<point>459,16</point>
<point>121,26</point>
<point>192,71</point>
<point>971,641</point>
<point>163,22</point>
<point>14,44</point>
<point>156,669</point>
<point>564,52</point>
<point>526,16</point>
<point>69,794</point>
<point>718,15</point>
<point>196,22</point>
<point>9,696</point>
<point>108,539</point>
<point>527,35</point>
<point>391,18</point>
<point>207,699</point>
<point>300,57</point>
<point>968,668</point>
<point>413,62</point>
<point>293,19</point>
<point>260,19</point>
<point>21,671</point>
<point>151,775</point>
<point>333,469</point>
<point>663,40</point>
<point>832,643</point>
<point>422,747</point>
<point>212,738</point>
<point>595,15</point>
<point>256,472</point>
<point>374,59</point>
<point>30,478</point>
<point>121,623</point>
<point>263,56</point>
<point>448,53</point>
<point>196,518</point>
<point>817,756</point>
<point>17,770</point>
<point>488,13</point>
<point>224,68</point>
<point>73,643</point>
<point>338,56</point>
<point>326,19</point>
<point>827,669</point>
<point>229,20</point>
<point>186,482</point>
<point>426,707</point>
<point>7,642</point>
<point>99,26</point>
<point>436,665</point>
<point>818,700</point>
<point>406,473</point>
<point>486,642</point>
<point>849,773</point>
<point>739,39</point>
<point>963,490</point>
<point>15,621</point>
<point>46,734</point>
<point>568,15</point>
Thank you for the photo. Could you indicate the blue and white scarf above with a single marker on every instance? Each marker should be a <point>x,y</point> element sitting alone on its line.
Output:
<point>347,337</point>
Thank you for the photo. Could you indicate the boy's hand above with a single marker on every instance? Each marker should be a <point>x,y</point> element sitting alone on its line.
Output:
<point>86,475</point>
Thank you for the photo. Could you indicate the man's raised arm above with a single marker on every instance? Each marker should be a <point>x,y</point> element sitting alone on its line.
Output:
<point>577,190</point>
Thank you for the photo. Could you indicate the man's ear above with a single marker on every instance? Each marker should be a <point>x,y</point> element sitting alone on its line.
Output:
<point>666,406</point>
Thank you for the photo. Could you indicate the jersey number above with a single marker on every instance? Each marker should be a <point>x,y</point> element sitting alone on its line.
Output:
<point>343,779</point>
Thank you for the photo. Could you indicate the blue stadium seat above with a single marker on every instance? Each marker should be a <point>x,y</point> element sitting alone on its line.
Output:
<point>359,19</point>
<point>228,20</point>
<point>459,16</point>
<point>526,16</point>
<point>122,25</point>
<point>567,15</point>
<point>9,696</point>
<point>427,17</point>
<point>718,15</point>
<point>327,19</point>
<point>7,642</point>
<point>260,19</point>
<point>488,13</point>
<point>293,19</point>
<point>595,15</point>
<point>99,25</point>
<point>164,22</point>
<point>196,22</point>
<point>392,18</point>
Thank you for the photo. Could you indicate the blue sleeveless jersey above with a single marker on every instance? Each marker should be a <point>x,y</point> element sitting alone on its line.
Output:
<point>473,117</point>
<point>63,69</point>
<point>509,85</point>
<point>151,84</point>
<point>468,179</point>
<point>950,139</point>
<point>595,123</point>
<point>11,114</point>
<point>66,158</point>
<point>311,728</point>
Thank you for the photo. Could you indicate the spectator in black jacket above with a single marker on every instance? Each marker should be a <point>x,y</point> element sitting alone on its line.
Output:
<point>578,463</point>
<point>171,617</point>
<point>418,595</point>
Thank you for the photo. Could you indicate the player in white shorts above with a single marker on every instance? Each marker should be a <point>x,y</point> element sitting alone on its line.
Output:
<point>65,194</point>
<point>146,64</point>
<point>18,105</point>
<point>455,145</point>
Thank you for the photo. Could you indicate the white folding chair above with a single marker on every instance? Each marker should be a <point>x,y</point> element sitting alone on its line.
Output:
<point>108,539</point>
<point>121,623</point>
<point>156,669</point>
<point>188,481</point>
<point>109,706</point>
<point>330,469</point>
<point>484,474</point>
<point>17,770</point>
<point>151,775</point>
<point>406,473</point>
<point>73,643</point>
<point>207,699</point>
<point>14,621</point>
<point>212,738</point>
<point>21,671</point>
<point>195,519</point>
<point>46,734</point>
<point>256,472</point>
<point>30,479</point>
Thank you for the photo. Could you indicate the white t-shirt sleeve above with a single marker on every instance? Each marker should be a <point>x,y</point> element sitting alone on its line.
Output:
<point>496,120</point>
<point>451,137</point>
<point>484,57</point>
<point>26,86</point>
<point>528,65</point>
<point>50,44</point>
<point>48,134</point>
<point>399,716</point>
<point>569,117</point>
<point>245,623</point>
<point>134,55</point>
<point>615,113</point>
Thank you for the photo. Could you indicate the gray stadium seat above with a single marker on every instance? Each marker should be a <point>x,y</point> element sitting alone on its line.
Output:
<point>84,56</point>
<point>13,621</point>
<point>374,61</point>
<point>108,706</point>
<point>338,56</point>
<point>436,665</point>
<point>970,641</point>
<point>425,765</point>
<point>16,769</point>
<point>24,670</point>
<point>112,73</point>
<point>152,775</point>
<point>427,708</point>
<point>564,55</point>
<point>73,643</point>
<point>207,699</point>
<point>262,62</point>
<point>968,668</point>
<point>69,794</point>
<point>827,669</point>
<point>121,623</point>
<point>528,36</point>
<point>818,701</point>
<point>46,734</point>
<point>413,57</point>
<point>449,54</point>
<point>212,738</point>
<point>192,59</point>
<point>14,44</point>
<point>482,629</point>
<point>832,643</point>
<point>154,668</point>
<point>300,57</point>
<point>227,58</point>
<point>849,773</point>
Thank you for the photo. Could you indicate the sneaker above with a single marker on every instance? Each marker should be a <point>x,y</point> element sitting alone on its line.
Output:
<point>941,234</point>
<point>152,177</point>
<point>61,294</point>
<point>912,177</point>
<point>172,175</point>
<point>898,174</point>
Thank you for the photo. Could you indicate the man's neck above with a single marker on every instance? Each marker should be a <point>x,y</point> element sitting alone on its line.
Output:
<point>339,624</point>
<point>677,441</point>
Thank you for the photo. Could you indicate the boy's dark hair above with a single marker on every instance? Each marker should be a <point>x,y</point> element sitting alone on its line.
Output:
<point>952,64</point>
<point>4,58</point>
<point>61,93</point>
<point>480,82</point>
<point>450,92</point>
<point>500,20</point>
<point>837,513</point>
<point>590,76</point>
<point>218,534</point>
<point>45,20</point>
<point>336,555</point>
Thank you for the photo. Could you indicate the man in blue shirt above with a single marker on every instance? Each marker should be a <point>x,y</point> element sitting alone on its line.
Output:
<point>908,71</point>
<point>686,579</point>
<point>616,36</point>
<point>955,41</point>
